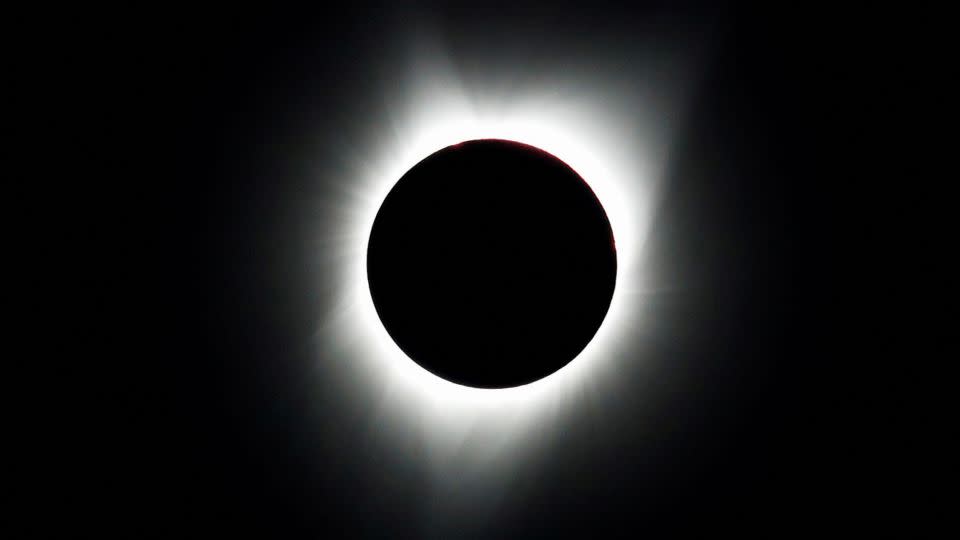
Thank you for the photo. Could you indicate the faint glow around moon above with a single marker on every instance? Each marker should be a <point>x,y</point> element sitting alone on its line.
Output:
<point>600,135</point>
<point>581,148</point>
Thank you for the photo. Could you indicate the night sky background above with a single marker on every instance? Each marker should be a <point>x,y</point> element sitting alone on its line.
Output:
<point>773,410</point>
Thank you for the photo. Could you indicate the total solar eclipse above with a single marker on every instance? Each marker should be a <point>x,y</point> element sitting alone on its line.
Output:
<point>491,263</point>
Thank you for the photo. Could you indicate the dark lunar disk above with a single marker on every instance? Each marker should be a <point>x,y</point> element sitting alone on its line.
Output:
<point>491,263</point>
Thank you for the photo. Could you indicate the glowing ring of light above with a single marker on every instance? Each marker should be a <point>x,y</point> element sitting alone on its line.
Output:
<point>587,139</point>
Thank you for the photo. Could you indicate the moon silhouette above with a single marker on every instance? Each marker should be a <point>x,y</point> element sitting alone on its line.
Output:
<point>491,263</point>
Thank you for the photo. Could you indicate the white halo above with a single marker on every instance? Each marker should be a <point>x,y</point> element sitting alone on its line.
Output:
<point>609,148</point>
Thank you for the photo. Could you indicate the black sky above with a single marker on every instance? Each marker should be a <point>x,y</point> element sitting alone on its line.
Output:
<point>202,419</point>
